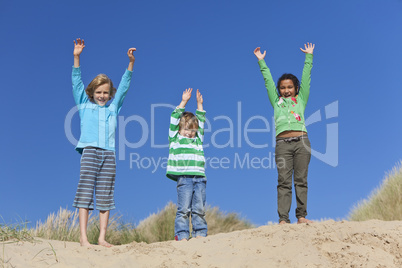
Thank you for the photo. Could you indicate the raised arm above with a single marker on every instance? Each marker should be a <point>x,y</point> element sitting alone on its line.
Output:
<point>269,82</point>
<point>304,91</point>
<point>185,98</point>
<point>199,101</point>
<point>130,54</point>
<point>78,86</point>
<point>125,81</point>
<point>78,48</point>
<point>200,114</point>
<point>176,114</point>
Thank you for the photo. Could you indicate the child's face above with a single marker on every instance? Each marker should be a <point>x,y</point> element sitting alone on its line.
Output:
<point>287,88</point>
<point>188,133</point>
<point>102,94</point>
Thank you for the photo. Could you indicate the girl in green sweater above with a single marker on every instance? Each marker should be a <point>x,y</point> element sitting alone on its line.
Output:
<point>292,150</point>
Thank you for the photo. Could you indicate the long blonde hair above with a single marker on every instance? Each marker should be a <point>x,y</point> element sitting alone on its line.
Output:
<point>99,80</point>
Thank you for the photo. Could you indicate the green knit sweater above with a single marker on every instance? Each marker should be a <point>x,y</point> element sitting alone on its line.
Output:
<point>289,112</point>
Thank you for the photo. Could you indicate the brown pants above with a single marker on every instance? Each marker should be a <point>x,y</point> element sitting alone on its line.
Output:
<point>292,157</point>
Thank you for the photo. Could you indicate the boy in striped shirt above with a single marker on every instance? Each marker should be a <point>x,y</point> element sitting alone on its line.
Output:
<point>186,166</point>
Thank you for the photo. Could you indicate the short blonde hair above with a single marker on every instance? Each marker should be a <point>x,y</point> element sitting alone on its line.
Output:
<point>100,80</point>
<point>188,120</point>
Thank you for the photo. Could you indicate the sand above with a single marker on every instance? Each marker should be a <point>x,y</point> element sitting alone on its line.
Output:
<point>321,244</point>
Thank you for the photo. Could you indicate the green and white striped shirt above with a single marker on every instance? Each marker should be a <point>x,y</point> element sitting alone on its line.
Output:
<point>186,155</point>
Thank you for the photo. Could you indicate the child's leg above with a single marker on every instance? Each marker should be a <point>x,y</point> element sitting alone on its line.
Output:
<point>104,220</point>
<point>184,194</point>
<point>84,195</point>
<point>301,162</point>
<point>105,191</point>
<point>86,185</point>
<point>83,218</point>
<point>198,208</point>
<point>284,163</point>
<point>105,180</point>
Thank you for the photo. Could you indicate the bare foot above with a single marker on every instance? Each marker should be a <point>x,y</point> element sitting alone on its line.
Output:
<point>104,244</point>
<point>86,244</point>
<point>183,239</point>
<point>282,223</point>
<point>303,220</point>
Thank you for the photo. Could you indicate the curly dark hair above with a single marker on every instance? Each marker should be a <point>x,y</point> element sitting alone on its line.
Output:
<point>286,76</point>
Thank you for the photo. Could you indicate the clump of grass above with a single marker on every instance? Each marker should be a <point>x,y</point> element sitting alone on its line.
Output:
<point>160,226</point>
<point>15,233</point>
<point>385,202</point>
<point>64,226</point>
<point>221,222</point>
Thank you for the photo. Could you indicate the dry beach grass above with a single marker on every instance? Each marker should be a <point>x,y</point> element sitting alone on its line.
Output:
<point>385,202</point>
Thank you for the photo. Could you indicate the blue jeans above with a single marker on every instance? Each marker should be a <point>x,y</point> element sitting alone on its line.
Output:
<point>190,199</point>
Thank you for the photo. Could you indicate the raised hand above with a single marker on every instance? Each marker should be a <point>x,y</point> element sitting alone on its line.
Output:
<point>309,48</point>
<point>78,46</point>
<point>185,98</point>
<point>130,53</point>
<point>186,94</point>
<point>258,54</point>
<point>199,101</point>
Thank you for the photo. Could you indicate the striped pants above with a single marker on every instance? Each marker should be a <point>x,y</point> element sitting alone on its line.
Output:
<point>98,172</point>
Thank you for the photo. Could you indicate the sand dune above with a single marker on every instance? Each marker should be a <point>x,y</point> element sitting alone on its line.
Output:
<point>322,244</point>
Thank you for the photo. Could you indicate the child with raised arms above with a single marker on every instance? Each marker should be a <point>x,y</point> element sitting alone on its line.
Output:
<point>186,166</point>
<point>97,142</point>
<point>292,151</point>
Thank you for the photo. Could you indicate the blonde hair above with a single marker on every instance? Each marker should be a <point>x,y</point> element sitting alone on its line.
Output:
<point>100,80</point>
<point>188,120</point>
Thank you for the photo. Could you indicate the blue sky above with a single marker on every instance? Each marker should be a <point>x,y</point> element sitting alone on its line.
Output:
<point>207,45</point>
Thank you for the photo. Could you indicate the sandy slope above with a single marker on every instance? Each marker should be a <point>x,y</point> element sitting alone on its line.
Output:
<point>324,244</point>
